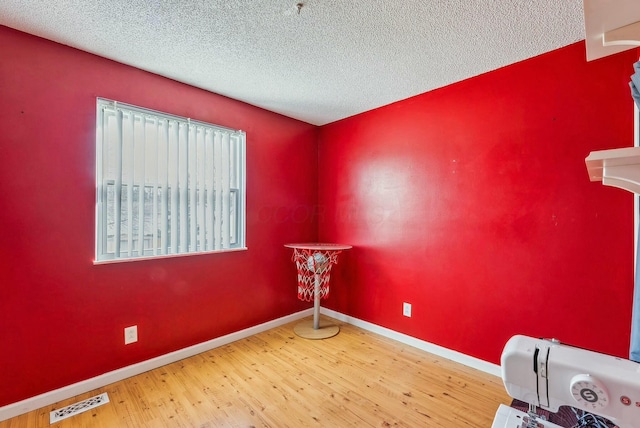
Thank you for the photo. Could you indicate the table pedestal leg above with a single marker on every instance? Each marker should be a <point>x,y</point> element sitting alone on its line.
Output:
<point>316,303</point>
<point>316,329</point>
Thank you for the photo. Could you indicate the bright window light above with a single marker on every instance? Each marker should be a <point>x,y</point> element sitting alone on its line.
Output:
<point>166,185</point>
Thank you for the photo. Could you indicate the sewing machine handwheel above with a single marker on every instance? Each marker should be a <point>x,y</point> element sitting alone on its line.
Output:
<point>589,392</point>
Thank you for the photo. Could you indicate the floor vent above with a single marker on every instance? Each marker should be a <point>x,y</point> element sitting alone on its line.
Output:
<point>77,408</point>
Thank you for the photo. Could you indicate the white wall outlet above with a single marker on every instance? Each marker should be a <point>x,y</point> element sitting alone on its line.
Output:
<point>130,334</point>
<point>406,309</point>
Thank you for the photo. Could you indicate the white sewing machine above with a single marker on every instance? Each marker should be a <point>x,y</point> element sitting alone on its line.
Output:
<point>548,374</point>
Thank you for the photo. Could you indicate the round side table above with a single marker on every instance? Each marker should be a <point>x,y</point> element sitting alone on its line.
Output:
<point>313,262</point>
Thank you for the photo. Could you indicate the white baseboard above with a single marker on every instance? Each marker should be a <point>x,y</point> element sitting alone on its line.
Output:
<point>51,397</point>
<point>449,354</point>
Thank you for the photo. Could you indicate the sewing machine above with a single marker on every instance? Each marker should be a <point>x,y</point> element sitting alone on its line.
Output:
<point>548,374</point>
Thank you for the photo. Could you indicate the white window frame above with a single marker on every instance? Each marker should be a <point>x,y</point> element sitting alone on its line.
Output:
<point>176,160</point>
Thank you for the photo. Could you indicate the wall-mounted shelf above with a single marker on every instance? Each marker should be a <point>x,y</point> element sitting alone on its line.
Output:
<point>629,35</point>
<point>611,27</point>
<point>616,167</point>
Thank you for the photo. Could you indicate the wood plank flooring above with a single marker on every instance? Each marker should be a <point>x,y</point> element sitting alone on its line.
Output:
<point>277,379</point>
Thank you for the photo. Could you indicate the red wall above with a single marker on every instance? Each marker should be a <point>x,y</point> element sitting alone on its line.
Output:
<point>62,317</point>
<point>472,202</point>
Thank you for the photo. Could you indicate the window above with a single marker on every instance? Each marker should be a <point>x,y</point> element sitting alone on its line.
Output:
<point>166,185</point>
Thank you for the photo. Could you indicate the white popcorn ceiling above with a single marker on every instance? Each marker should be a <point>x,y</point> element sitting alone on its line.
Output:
<point>334,59</point>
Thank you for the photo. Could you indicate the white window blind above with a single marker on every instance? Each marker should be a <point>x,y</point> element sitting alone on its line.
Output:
<point>166,185</point>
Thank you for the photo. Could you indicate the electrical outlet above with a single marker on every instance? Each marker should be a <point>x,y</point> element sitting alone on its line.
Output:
<point>406,309</point>
<point>130,334</point>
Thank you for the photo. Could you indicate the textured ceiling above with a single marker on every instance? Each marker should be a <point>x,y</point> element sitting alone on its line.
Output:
<point>334,59</point>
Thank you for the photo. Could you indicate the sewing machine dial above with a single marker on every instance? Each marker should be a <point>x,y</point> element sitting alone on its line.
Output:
<point>589,392</point>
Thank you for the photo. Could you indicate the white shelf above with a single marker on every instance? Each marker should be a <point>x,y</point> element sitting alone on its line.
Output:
<point>616,167</point>
<point>611,26</point>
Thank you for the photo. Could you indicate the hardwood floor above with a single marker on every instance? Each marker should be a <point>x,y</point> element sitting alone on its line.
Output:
<point>277,379</point>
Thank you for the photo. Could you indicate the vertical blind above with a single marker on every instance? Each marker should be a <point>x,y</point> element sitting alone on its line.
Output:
<point>166,185</point>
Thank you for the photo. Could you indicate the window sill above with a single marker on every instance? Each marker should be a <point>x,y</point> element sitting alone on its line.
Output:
<point>166,256</point>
